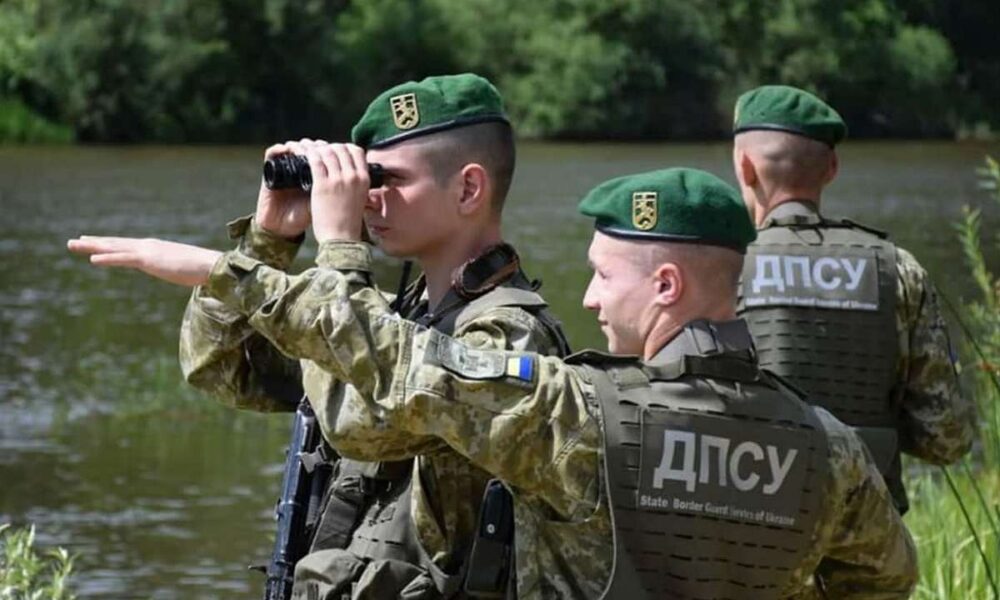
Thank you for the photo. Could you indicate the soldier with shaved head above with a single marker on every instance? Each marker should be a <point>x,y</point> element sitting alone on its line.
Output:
<point>834,306</point>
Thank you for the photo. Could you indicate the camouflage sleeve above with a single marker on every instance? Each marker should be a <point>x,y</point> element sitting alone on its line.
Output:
<point>937,423</point>
<point>531,428</point>
<point>867,552</point>
<point>221,354</point>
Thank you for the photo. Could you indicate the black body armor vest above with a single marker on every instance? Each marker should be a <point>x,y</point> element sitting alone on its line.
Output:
<point>713,470</point>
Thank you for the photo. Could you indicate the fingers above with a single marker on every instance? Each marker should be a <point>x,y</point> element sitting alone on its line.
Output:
<point>116,259</point>
<point>346,161</point>
<point>276,150</point>
<point>357,156</point>
<point>87,244</point>
<point>291,147</point>
<point>321,169</point>
<point>326,159</point>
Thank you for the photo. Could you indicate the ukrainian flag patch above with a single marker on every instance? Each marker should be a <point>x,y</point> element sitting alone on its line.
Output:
<point>521,367</point>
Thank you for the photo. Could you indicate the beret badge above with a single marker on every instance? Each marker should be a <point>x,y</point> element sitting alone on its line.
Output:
<point>405,113</point>
<point>644,210</point>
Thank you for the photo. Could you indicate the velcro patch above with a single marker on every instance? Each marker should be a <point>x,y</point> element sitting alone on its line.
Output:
<point>704,464</point>
<point>472,363</point>
<point>832,278</point>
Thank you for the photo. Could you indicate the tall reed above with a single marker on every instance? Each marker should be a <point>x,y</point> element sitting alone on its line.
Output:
<point>955,512</point>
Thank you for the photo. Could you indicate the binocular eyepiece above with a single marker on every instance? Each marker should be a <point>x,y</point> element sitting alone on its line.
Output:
<point>291,170</point>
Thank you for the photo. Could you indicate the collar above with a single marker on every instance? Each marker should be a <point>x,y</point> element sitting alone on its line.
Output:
<point>793,211</point>
<point>495,266</point>
<point>478,276</point>
<point>705,338</point>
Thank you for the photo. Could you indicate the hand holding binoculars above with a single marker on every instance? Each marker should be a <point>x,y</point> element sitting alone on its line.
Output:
<point>291,170</point>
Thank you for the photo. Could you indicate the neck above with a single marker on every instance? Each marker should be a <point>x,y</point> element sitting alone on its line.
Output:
<point>766,203</point>
<point>439,264</point>
<point>672,322</point>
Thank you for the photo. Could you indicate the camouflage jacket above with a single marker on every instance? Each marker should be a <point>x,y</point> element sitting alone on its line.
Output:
<point>237,357</point>
<point>936,421</point>
<point>527,419</point>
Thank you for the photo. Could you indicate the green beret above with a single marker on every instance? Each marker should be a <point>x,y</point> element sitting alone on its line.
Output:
<point>671,205</point>
<point>785,108</point>
<point>434,104</point>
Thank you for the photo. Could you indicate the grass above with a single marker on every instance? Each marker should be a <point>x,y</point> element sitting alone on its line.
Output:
<point>955,515</point>
<point>27,575</point>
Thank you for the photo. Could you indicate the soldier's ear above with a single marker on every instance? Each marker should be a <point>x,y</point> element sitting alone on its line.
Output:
<point>746,172</point>
<point>669,284</point>
<point>833,168</point>
<point>475,189</point>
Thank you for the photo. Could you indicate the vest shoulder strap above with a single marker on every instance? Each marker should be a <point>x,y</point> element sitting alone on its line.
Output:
<point>496,298</point>
<point>820,222</point>
<point>855,225</point>
<point>596,357</point>
<point>515,297</point>
<point>725,367</point>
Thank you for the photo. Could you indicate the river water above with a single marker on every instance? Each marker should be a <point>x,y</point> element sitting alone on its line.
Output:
<point>159,492</point>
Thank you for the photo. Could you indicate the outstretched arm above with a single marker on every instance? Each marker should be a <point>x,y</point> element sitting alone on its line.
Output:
<point>219,352</point>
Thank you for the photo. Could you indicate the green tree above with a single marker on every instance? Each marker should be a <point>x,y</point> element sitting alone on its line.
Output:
<point>885,77</point>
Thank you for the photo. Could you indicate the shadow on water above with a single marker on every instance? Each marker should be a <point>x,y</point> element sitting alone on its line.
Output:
<point>164,494</point>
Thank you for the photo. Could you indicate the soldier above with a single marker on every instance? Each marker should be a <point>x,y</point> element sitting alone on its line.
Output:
<point>672,467</point>
<point>399,526</point>
<point>834,306</point>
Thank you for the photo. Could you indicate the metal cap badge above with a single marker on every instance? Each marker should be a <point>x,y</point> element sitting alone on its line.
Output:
<point>405,113</point>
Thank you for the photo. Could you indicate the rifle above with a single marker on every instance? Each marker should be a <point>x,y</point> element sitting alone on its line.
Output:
<point>302,489</point>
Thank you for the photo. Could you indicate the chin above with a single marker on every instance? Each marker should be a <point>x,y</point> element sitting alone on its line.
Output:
<point>394,249</point>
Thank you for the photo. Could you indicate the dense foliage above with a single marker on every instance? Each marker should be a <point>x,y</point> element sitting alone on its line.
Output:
<point>232,70</point>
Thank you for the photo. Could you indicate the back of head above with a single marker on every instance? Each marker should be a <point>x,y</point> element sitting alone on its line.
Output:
<point>789,136</point>
<point>787,160</point>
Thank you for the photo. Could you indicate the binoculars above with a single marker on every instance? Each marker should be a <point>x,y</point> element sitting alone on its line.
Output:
<point>291,171</point>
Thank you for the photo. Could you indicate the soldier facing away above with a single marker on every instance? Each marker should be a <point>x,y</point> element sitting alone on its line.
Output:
<point>402,525</point>
<point>673,466</point>
<point>834,306</point>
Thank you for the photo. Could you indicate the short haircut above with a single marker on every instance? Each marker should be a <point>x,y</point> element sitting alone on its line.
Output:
<point>490,145</point>
<point>715,269</point>
<point>787,160</point>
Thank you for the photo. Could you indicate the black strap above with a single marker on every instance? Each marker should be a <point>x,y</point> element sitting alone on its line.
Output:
<point>726,367</point>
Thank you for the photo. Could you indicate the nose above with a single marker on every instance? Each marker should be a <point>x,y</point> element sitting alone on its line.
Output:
<point>590,296</point>
<point>375,200</point>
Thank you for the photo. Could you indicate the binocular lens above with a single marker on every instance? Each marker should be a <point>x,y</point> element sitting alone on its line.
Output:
<point>291,170</point>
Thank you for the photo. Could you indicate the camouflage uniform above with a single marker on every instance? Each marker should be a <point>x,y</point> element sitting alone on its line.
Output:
<point>937,421</point>
<point>534,428</point>
<point>240,361</point>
